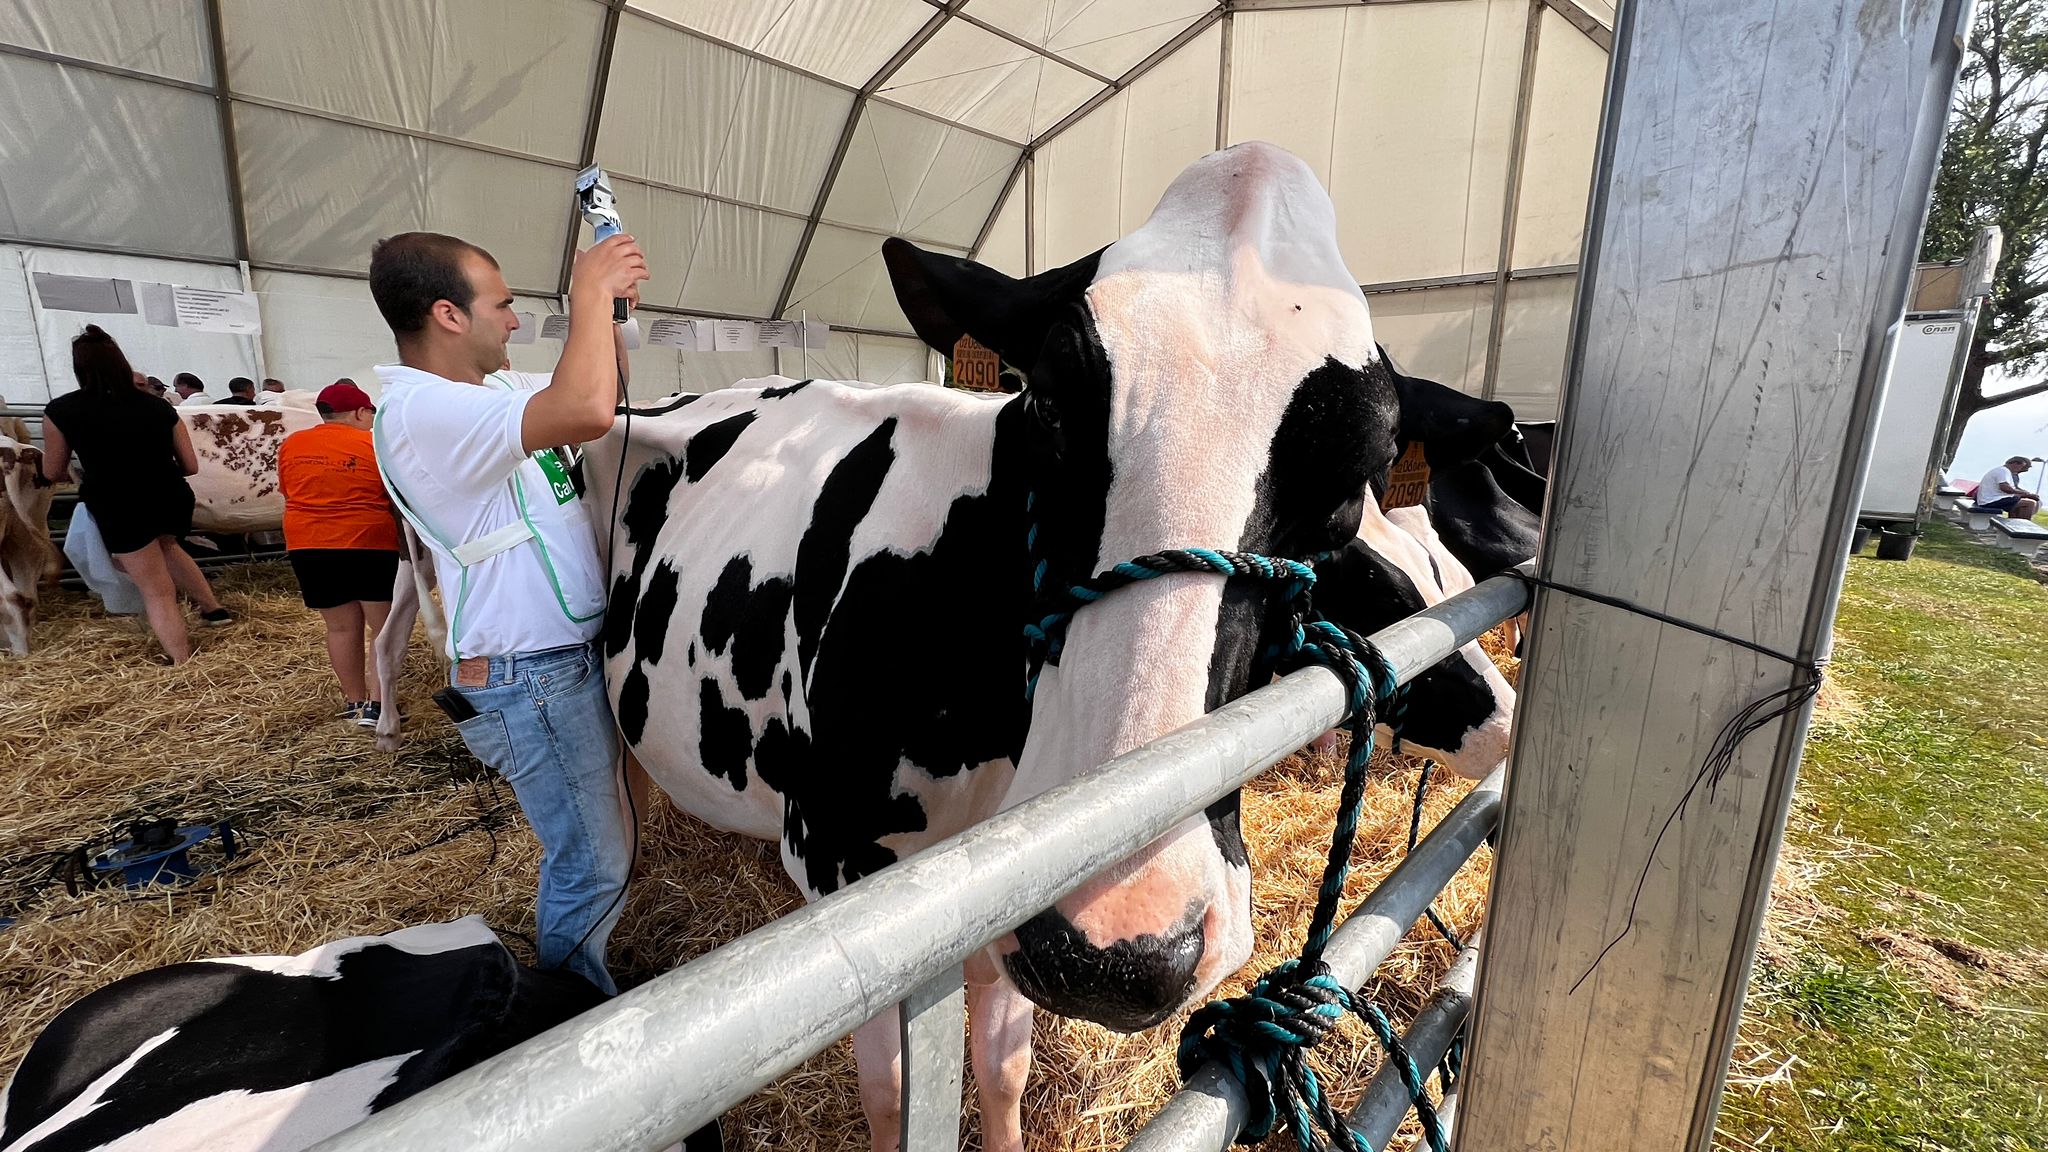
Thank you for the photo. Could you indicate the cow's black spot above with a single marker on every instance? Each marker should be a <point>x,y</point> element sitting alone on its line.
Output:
<point>618,614</point>
<point>657,604</point>
<point>646,512</point>
<point>712,442</point>
<point>779,393</point>
<point>633,704</point>
<point>650,639</point>
<point>780,759</point>
<point>647,507</point>
<point>752,620</point>
<point>844,499</point>
<point>726,603</point>
<point>724,737</point>
<point>1226,827</point>
<point>758,645</point>
<point>945,707</point>
<point>788,688</point>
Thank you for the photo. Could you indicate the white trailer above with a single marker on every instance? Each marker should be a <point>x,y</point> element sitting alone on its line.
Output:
<point>1924,362</point>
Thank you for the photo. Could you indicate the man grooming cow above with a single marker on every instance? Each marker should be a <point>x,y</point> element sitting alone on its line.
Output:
<point>818,591</point>
<point>469,453</point>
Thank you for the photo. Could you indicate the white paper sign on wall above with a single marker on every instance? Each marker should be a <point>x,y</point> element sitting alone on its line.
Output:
<point>216,310</point>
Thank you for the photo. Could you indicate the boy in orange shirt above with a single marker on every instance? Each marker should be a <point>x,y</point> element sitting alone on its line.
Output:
<point>341,536</point>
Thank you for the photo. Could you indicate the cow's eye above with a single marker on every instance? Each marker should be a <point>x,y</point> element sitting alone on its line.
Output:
<point>1340,526</point>
<point>1048,417</point>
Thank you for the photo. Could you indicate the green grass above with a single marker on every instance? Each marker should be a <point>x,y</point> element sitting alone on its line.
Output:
<point>1922,806</point>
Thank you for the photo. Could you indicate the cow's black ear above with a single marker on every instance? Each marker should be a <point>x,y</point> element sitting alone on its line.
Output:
<point>945,297</point>
<point>1453,427</point>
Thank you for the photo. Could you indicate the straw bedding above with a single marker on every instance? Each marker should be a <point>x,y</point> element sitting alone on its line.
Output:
<point>341,840</point>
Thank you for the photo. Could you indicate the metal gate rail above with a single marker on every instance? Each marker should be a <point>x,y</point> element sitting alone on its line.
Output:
<point>644,1069</point>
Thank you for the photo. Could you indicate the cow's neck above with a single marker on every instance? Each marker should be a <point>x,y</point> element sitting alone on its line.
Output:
<point>1003,573</point>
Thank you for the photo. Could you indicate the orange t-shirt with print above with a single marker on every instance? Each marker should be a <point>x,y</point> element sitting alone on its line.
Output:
<point>333,497</point>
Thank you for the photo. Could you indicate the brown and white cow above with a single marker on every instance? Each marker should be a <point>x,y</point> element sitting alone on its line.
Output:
<point>27,557</point>
<point>236,489</point>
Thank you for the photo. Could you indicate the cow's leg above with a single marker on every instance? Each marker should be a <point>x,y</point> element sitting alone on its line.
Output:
<point>17,585</point>
<point>878,1051</point>
<point>389,651</point>
<point>375,612</point>
<point>999,1025</point>
<point>634,796</point>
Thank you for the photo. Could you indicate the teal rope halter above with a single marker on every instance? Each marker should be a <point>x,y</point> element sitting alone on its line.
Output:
<point>1263,1037</point>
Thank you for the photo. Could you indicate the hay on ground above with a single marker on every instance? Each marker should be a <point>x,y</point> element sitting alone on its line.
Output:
<point>342,840</point>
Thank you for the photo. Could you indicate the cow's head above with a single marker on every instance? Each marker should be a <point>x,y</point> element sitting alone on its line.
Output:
<point>1460,710</point>
<point>1452,427</point>
<point>1483,502</point>
<point>1208,381</point>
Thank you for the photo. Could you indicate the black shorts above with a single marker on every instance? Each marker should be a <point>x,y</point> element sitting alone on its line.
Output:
<point>137,519</point>
<point>331,577</point>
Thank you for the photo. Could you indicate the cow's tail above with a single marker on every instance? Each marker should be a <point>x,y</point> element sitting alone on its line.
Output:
<point>411,596</point>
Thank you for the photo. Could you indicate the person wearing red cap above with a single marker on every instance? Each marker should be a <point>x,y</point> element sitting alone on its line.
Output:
<point>341,536</point>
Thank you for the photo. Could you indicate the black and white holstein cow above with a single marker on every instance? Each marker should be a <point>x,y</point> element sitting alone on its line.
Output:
<point>276,1053</point>
<point>819,590</point>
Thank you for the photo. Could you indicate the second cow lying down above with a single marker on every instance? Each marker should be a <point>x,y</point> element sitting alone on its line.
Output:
<point>276,1053</point>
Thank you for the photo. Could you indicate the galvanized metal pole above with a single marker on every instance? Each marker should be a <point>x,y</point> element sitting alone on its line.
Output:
<point>1385,1104</point>
<point>1762,176</point>
<point>932,1019</point>
<point>662,1060</point>
<point>1511,198</point>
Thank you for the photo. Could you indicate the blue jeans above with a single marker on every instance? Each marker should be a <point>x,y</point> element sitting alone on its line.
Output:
<point>544,723</point>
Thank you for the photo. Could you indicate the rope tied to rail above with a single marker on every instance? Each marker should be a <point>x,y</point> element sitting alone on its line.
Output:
<point>1263,1037</point>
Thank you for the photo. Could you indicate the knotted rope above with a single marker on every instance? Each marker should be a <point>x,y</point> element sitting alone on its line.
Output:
<point>1263,1037</point>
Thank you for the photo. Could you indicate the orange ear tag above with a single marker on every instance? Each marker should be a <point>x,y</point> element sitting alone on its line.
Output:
<point>974,367</point>
<point>1408,483</point>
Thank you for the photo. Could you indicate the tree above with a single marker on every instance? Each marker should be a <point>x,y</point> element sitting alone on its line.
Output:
<point>1993,172</point>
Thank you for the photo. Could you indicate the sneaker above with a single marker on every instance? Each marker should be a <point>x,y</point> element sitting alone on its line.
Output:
<point>216,617</point>
<point>368,713</point>
<point>350,710</point>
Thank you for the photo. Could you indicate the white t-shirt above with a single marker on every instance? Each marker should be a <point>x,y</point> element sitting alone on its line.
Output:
<point>1988,488</point>
<point>453,451</point>
<point>197,398</point>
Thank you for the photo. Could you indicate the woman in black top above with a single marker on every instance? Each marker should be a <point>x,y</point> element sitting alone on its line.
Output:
<point>136,454</point>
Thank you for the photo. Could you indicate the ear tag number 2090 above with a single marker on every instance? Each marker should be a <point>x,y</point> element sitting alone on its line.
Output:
<point>1408,483</point>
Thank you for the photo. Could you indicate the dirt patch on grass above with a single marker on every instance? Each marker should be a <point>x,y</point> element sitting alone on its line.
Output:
<point>1956,972</point>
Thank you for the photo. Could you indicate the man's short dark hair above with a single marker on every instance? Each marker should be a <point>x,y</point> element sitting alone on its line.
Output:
<point>412,270</point>
<point>188,380</point>
<point>241,386</point>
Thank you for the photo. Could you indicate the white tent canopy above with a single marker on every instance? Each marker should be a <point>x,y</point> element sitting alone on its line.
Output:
<point>761,150</point>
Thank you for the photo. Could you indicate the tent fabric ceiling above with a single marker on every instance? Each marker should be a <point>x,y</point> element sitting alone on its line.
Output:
<point>762,148</point>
